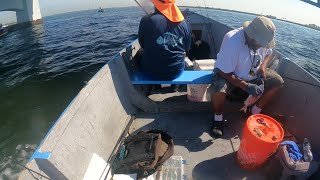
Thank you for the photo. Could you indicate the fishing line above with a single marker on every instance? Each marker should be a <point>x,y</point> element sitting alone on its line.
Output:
<point>234,110</point>
<point>141,7</point>
<point>25,167</point>
<point>90,28</point>
<point>207,25</point>
<point>210,29</point>
<point>118,143</point>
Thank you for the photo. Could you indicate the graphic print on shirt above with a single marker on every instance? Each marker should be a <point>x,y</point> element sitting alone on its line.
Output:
<point>255,64</point>
<point>169,40</point>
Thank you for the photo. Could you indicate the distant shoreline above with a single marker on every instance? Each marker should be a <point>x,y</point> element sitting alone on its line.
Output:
<point>311,26</point>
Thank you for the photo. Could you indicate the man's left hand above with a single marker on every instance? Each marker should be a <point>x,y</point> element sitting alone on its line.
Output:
<point>198,42</point>
<point>263,72</point>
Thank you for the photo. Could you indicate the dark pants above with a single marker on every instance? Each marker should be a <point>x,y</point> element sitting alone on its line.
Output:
<point>163,76</point>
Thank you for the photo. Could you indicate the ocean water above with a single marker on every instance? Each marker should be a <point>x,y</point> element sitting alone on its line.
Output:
<point>43,67</point>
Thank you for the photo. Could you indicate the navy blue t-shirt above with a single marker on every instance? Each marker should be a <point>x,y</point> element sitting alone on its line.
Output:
<point>164,43</point>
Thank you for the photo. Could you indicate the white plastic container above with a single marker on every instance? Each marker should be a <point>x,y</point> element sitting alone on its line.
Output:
<point>198,92</point>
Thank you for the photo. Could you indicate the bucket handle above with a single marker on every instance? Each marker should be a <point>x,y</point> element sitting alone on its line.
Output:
<point>261,121</point>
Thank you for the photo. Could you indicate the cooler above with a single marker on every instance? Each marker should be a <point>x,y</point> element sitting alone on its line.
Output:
<point>198,92</point>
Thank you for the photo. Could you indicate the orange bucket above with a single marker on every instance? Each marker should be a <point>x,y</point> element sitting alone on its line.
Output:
<point>261,137</point>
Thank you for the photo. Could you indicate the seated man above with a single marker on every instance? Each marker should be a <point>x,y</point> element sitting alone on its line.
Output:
<point>244,55</point>
<point>165,38</point>
<point>199,49</point>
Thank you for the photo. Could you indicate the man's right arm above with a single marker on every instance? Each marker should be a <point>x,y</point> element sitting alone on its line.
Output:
<point>227,61</point>
<point>230,77</point>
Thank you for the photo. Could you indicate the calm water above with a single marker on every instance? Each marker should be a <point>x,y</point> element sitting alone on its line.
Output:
<point>43,67</point>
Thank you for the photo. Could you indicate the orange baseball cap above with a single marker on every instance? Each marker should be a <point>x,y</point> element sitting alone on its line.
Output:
<point>169,9</point>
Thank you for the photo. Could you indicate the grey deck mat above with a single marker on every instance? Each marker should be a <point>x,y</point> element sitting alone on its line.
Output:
<point>206,157</point>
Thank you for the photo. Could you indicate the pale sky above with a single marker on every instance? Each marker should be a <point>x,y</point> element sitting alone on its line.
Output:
<point>292,10</point>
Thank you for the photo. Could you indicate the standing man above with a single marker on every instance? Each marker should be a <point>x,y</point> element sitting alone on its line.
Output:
<point>165,37</point>
<point>244,55</point>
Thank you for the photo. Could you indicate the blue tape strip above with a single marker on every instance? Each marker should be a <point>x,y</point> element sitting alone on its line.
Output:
<point>187,77</point>
<point>40,155</point>
<point>51,129</point>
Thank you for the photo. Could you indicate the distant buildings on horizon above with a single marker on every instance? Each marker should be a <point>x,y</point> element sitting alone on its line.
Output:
<point>312,26</point>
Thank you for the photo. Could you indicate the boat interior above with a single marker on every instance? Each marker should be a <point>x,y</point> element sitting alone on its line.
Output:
<point>189,122</point>
<point>110,107</point>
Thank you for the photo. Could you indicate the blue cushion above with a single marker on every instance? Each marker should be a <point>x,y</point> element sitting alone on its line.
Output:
<point>187,77</point>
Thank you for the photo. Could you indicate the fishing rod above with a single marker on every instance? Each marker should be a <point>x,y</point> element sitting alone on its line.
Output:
<point>280,55</point>
<point>296,80</point>
<point>141,7</point>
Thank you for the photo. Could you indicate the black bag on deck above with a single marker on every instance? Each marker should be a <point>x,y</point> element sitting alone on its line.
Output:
<point>143,153</point>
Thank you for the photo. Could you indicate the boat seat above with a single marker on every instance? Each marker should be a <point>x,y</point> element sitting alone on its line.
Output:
<point>187,77</point>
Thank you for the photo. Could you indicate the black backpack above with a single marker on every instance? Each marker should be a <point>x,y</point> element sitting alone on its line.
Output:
<point>143,153</point>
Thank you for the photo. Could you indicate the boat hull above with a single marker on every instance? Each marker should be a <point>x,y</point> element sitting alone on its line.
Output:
<point>101,113</point>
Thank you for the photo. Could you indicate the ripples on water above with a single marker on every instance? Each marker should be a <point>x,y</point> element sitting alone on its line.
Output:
<point>43,67</point>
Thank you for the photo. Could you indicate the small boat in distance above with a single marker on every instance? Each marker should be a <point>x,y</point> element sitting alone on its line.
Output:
<point>100,9</point>
<point>3,30</point>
